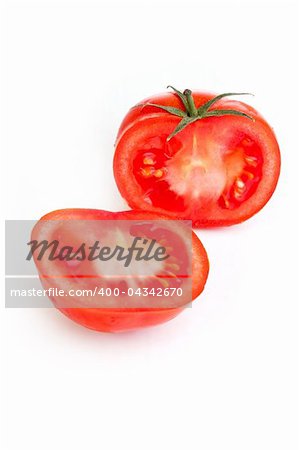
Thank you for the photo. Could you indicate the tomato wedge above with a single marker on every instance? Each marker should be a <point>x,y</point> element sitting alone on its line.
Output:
<point>195,156</point>
<point>71,275</point>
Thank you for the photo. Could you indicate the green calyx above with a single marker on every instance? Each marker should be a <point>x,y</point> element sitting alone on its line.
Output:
<point>191,114</point>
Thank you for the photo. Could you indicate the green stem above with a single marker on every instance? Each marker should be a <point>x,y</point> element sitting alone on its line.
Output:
<point>191,105</point>
<point>191,114</point>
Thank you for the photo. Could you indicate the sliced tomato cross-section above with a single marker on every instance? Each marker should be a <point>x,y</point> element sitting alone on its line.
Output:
<point>217,170</point>
<point>124,294</point>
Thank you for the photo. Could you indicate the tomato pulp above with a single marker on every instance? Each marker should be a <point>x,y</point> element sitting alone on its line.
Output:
<point>65,275</point>
<point>219,170</point>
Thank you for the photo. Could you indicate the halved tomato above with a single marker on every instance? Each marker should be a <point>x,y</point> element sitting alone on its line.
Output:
<point>196,156</point>
<point>71,228</point>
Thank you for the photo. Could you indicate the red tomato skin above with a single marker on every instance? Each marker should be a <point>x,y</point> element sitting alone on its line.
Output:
<point>139,118</point>
<point>121,320</point>
<point>113,321</point>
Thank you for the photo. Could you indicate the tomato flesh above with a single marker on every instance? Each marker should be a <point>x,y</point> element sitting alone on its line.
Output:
<point>171,178</point>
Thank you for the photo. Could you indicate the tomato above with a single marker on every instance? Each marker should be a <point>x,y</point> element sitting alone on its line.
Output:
<point>63,275</point>
<point>195,156</point>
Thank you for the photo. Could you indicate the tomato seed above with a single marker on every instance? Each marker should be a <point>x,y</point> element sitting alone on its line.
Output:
<point>148,161</point>
<point>159,173</point>
<point>147,171</point>
<point>240,184</point>
<point>251,160</point>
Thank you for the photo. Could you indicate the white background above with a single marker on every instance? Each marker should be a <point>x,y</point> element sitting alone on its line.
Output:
<point>223,375</point>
